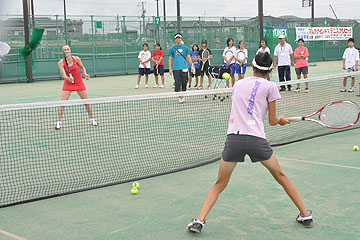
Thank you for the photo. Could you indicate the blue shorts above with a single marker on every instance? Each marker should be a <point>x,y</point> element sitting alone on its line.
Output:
<point>242,69</point>
<point>143,71</point>
<point>161,70</point>
<point>232,68</point>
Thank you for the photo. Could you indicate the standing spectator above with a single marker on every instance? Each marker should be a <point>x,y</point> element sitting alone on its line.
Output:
<point>301,55</point>
<point>241,56</point>
<point>178,57</point>
<point>195,59</point>
<point>204,64</point>
<point>229,60</point>
<point>144,66</point>
<point>158,59</point>
<point>350,63</point>
<point>264,49</point>
<point>283,51</point>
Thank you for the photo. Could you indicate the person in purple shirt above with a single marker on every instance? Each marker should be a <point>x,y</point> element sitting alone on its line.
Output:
<point>252,99</point>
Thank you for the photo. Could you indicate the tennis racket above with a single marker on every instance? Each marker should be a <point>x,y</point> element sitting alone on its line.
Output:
<point>335,115</point>
<point>240,56</point>
<point>204,54</point>
<point>157,58</point>
<point>353,68</point>
<point>228,54</point>
<point>193,56</point>
<point>144,57</point>
<point>67,65</point>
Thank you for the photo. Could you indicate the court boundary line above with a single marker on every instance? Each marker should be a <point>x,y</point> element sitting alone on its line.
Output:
<point>320,163</point>
<point>11,235</point>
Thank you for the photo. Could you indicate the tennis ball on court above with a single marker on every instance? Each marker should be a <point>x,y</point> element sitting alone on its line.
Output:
<point>356,148</point>
<point>134,191</point>
<point>226,76</point>
<point>135,185</point>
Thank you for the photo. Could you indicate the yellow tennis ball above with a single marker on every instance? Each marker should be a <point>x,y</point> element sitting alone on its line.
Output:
<point>356,148</point>
<point>135,185</point>
<point>226,76</point>
<point>134,191</point>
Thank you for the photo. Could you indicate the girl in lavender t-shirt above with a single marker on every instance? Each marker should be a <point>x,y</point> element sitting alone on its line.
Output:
<point>252,99</point>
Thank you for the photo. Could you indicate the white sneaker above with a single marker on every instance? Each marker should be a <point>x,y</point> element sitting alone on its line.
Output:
<point>209,87</point>
<point>93,122</point>
<point>162,86</point>
<point>146,86</point>
<point>137,86</point>
<point>307,90</point>
<point>181,99</point>
<point>297,90</point>
<point>200,87</point>
<point>155,86</point>
<point>343,90</point>
<point>189,87</point>
<point>351,89</point>
<point>58,125</point>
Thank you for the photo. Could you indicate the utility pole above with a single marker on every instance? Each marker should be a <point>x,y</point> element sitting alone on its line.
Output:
<point>164,9</point>
<point>28,63</point>
<point>178,15</point>
<point>261,18</point>
<point>65,22</point>
<point>312,12</point>
<point>143,11</point>
<point>157,26</point>
<point>33,20</point>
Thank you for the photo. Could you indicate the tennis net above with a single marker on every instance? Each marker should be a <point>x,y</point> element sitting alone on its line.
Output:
<point>137,137</point>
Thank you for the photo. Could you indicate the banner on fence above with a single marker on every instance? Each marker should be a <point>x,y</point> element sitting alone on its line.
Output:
<point>324,33</point>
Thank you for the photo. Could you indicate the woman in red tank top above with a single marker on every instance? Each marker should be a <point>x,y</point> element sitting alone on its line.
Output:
<point>73,82</point>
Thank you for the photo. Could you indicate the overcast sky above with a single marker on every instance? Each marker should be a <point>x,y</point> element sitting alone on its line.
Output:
<point>240,8</point>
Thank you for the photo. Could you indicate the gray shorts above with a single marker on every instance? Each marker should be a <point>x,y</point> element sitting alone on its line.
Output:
<point>238,145</point>
<point>302,70</point>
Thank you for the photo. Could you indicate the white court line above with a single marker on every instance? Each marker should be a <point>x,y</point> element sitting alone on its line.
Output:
<point>11,235</point>
<point>326,164</point>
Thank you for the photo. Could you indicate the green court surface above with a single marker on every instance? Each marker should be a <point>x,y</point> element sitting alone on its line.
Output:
<point>122,85</point>
<point>325,170</point>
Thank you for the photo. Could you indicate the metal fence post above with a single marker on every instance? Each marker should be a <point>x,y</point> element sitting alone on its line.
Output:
<point>93,44</point>
<point>124,43</point>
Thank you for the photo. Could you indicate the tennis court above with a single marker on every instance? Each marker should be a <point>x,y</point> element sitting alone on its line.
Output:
<point>150,135</point>
<point>325,170</point>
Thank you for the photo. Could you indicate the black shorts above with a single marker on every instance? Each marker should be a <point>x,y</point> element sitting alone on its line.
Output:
<point>181,79</point>
<point>302,70</point>
<point>205,70</point>
<point>144,70</point>
<point>197,72</point>
<point>161,70</point>
<point>237,146</point>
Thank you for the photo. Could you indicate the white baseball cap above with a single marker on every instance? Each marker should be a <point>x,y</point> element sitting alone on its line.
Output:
<point>281,36</point>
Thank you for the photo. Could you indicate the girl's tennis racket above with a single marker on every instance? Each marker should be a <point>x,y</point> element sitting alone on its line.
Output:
<point>67,65</point>
<point>157,58</point>
<point>335,115</point>
<point>205,54</point>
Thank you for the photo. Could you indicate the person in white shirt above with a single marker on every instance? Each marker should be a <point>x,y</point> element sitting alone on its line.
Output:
<point>229,60</point>
<point>283,53</point>
<point>241,56</point>
<point>350,63</point>
<point>263,48</point>
<point>144,66</point>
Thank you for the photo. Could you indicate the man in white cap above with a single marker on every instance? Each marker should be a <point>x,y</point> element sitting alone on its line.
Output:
<point>283,54</point>
<point>179,55</point>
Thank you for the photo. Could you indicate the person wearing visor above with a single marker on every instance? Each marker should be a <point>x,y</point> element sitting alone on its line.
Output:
<point>179,55</point>
<point>252,99</point>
